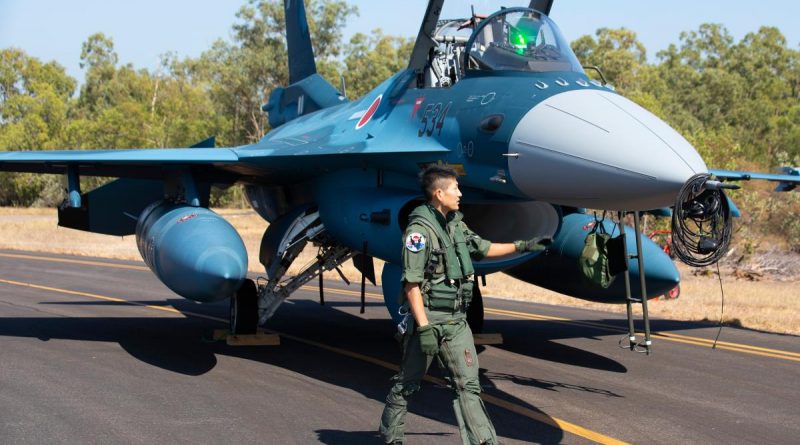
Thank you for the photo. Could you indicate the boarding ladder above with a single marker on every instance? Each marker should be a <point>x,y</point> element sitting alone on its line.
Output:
<point>633,344</point>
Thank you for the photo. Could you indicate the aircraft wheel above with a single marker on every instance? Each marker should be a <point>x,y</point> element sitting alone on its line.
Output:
<point>475,310</point>
<point>244,309</point>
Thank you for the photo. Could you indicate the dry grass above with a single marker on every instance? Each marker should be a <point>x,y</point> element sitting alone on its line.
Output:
<point>37,230</point>
<point>764,305</point>
<point>770,306</point>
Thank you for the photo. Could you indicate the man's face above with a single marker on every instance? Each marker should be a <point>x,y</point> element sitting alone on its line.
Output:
<point>448,194</point>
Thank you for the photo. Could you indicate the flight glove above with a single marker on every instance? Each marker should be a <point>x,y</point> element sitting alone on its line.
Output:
<point>427,340</point>
<point>532,245</point>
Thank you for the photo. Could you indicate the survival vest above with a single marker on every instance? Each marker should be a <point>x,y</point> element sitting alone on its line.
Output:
<point>446,284</point>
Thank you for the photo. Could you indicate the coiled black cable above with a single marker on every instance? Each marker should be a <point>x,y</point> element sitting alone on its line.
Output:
<point>701,223</point>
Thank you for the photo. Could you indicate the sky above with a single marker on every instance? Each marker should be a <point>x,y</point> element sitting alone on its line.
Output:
<point>145,29</point>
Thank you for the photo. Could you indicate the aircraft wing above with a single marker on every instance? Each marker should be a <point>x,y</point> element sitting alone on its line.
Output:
<point>786,181</point>
<point>269,160</point>
<point>134,163</point>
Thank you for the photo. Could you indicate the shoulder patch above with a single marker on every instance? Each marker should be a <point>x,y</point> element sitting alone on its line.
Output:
<point>415,242</point>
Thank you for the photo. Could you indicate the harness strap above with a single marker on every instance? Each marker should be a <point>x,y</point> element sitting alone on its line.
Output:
<point>427,282</point>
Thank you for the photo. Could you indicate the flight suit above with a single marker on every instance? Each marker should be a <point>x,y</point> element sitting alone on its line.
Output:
<point>438,254</point>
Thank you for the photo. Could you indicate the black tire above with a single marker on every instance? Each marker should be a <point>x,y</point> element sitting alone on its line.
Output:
<point>244,309</point>
<point>475,310</point>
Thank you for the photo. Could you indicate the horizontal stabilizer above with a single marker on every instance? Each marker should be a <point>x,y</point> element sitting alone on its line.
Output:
<point>306,96</point>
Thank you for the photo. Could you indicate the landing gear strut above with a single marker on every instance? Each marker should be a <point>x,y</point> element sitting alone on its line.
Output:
<point>282,247</point>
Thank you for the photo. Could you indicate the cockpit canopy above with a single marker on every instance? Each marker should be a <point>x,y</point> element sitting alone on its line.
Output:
<point>513,39</point>
<point>519,39</point>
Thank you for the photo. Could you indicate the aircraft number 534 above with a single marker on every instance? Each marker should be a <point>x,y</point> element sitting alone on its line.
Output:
<point>433,119</point>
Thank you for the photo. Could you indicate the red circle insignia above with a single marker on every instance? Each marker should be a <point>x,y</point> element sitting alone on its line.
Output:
<point>370,111</point>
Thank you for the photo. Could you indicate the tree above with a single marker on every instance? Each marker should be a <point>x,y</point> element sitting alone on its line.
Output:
<point>618,52</point>
<point>369,60</point>
<point>34,102</point>
<point>239,76</point>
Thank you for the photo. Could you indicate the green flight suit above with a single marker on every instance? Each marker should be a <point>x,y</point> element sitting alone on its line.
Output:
<point>446,292</point>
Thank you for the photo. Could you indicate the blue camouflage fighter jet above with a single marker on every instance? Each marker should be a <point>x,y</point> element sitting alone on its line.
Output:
<point>502,99</point>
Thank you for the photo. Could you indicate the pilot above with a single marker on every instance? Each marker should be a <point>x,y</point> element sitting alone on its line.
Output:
<point>437,289</point>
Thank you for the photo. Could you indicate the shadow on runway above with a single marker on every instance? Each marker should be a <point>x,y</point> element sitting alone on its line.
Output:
<point>168,343</point>
<point>337,437</point>
<point>548,385</point>
<point>184,346</point>
<point>530,339</point>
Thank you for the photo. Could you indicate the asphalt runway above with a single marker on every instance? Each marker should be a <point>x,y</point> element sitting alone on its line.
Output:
<point>99,351</point>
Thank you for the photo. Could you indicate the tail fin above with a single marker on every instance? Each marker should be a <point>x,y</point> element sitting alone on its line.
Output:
<point>307,91</point>
<point>298,40</point>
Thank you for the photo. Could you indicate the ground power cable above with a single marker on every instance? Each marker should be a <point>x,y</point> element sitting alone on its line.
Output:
<point>721,309</point>
<point>701,222</point>
<point>702,228</point>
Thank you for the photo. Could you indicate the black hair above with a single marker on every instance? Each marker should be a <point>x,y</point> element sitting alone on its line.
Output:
<point>432,174</point>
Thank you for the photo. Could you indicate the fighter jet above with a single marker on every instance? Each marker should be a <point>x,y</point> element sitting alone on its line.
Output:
<point>501,98</point>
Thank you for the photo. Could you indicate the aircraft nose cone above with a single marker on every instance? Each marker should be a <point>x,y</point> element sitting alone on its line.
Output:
<point>596,149</point>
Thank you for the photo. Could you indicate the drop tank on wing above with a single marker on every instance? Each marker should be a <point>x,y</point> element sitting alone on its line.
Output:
<point>192,250</point>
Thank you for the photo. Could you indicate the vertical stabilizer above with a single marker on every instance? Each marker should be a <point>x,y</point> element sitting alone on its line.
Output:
<point>298,41</point>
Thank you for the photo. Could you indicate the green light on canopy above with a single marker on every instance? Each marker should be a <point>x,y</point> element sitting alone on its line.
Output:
<point>524,31</point>
<point>518,39</point>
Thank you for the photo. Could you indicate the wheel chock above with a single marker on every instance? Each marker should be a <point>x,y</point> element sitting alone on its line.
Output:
<point>260,338</point>
<point>488,339</point>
